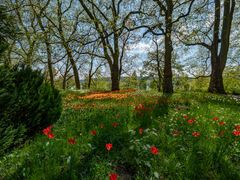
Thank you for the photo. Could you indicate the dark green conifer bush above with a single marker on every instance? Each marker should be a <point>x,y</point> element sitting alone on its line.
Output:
<point>27,105</point>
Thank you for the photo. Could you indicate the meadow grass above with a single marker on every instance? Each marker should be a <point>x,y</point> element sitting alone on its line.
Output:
<point>194,134</point>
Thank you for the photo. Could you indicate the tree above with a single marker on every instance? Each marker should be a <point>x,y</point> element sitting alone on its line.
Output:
<point>65,41</point>
<point>130,82</point>
<point>38,12</point>
<point>169,13</point>
<point>92,71</point>
<point>110,20</point>
<point>157,57</point>
<point>65,25</point>
<point>27,43</point>
<point>154,65</point>
<point>219,58</point>
<point>7,28</point>
<point>218,43</point>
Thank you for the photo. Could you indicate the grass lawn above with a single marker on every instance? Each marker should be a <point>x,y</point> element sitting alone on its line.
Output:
<point>134,135</point>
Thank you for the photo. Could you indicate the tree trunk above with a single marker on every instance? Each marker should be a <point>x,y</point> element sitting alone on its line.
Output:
<point>218,62</point>
<point>49,62</point>
<point>29,55</point>
<point>159,76</point>
<point>115,77</point>
<point>74,67</point>
<point>48,47</point>
<point>90,74</point>
<point>167,77</point>
<point>89,81</point>
<point>159,87</point>
<point>69,53</point>
<point>216,79</point>
<point>159,83</point>
<point>64,83</point>
<point>229,7</point>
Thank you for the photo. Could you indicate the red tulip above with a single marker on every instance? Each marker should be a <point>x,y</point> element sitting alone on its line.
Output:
<point>140,131</point>
<point>215,118</point>
<point>196,134</point>
<point>115,124</point>
<point>93,132</point>
<point>154,150</point>
<point>139,107</point>
<point>47,130</point>
<point>190,121</point>
<point>221,123</point>
<point>72,141</point>
<point>236,133</point>
<point>108,146</point>
<point>50,136</point>
<point>113,176</point>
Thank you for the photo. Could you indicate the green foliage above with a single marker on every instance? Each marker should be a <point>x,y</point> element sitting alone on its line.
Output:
<point>232,80</point>
<point>143,83</point>
<point>181,83</point>
<point>100,84</point>
<point>27,105</point>
<point>200,84</point>
<point>130,82</point>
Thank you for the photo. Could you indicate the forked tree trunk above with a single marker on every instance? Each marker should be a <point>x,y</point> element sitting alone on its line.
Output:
<point>219,59</point>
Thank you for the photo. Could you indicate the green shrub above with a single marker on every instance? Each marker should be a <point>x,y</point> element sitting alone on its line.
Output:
<point>27,105</point>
